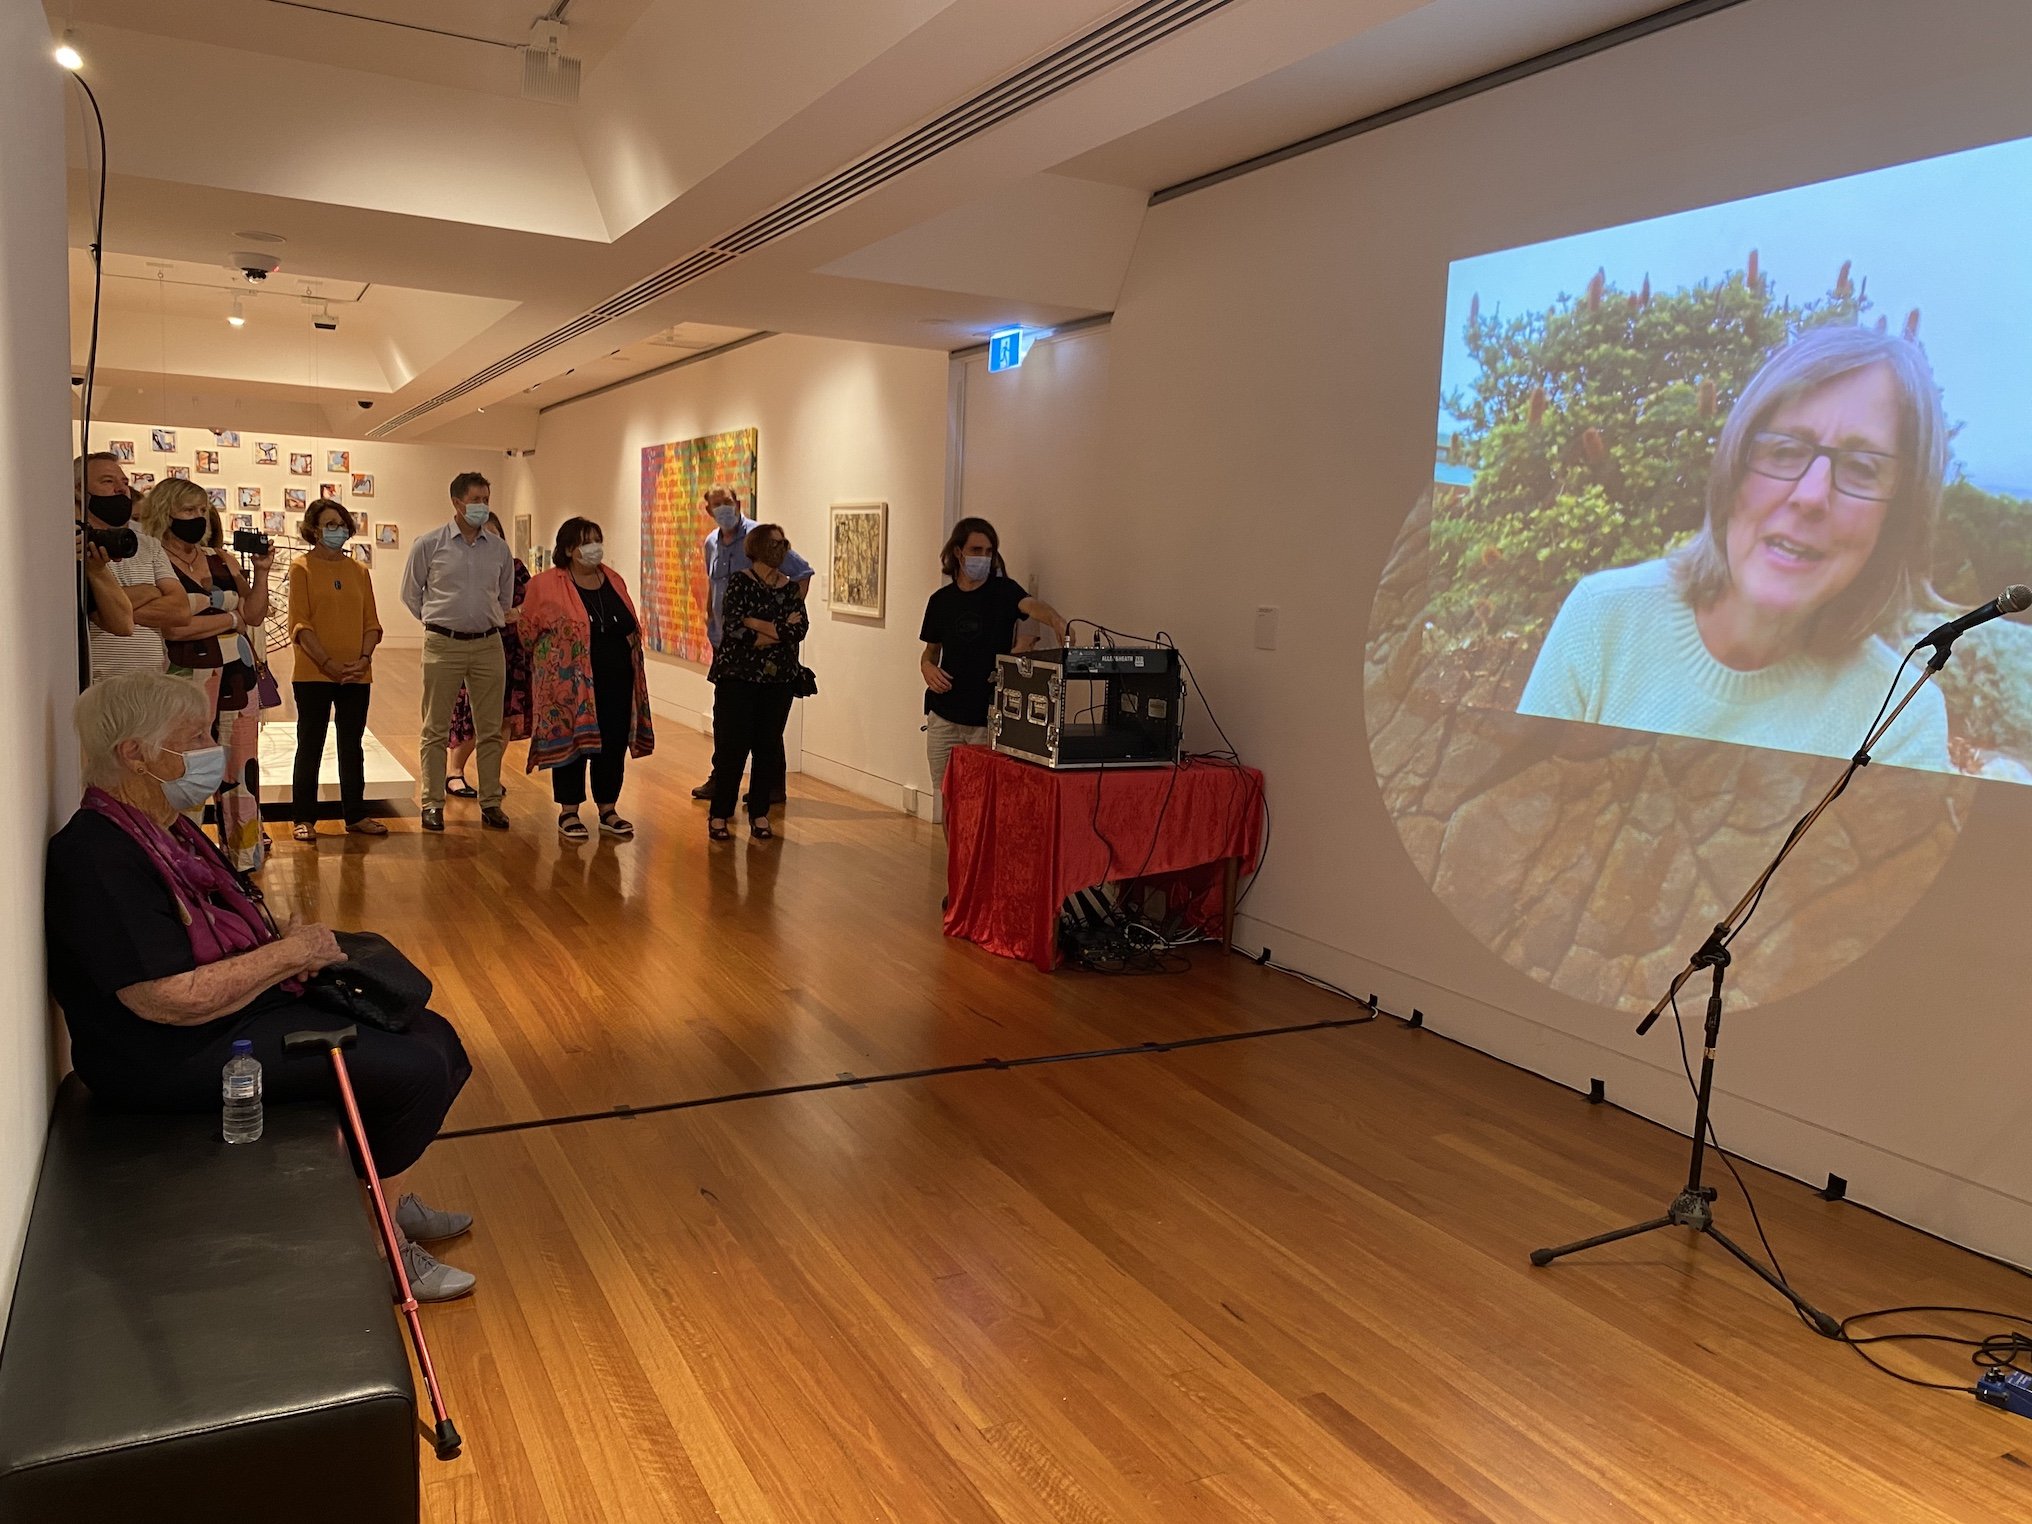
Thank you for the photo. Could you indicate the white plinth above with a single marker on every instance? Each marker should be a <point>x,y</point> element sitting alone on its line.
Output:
<point>386,777</point>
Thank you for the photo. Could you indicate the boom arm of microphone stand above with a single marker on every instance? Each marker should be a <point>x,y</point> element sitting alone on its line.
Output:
<point>1715,948</point>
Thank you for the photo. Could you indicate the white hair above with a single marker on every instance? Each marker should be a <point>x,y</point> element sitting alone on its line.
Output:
<point>136,706</point>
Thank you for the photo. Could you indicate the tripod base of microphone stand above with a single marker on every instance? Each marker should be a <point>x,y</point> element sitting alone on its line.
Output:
<point>1695,1209</point>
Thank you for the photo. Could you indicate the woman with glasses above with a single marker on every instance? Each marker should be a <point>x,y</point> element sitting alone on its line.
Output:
<point>1767,627</point>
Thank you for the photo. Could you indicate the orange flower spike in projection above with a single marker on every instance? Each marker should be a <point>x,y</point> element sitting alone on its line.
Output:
<point>1537,407</point>
<point>1750,276</point>
<point>1592,447</point>
<point>1843,286</point>
<point>1912,326</point>
<point>1644,295</point>
<point>1595,288</point>
<point>1707,399</point>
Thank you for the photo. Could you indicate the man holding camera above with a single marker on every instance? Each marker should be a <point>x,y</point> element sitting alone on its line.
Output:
<point>460,582</point>
<point>132,594</point>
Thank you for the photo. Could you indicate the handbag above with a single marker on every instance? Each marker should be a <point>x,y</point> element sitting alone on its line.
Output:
<point>268,692</point>
<point>376,984</point>
<point>805,684</point>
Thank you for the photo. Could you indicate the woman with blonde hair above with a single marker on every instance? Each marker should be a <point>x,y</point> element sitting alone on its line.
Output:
<point>334,628</point>
<point>214,648</point>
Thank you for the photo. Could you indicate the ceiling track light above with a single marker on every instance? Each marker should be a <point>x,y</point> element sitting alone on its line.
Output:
<point>67,53</point>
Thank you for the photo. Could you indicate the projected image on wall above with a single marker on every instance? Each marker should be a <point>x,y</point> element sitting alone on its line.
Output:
<point>1699,482</point>
<point>1712,474</point>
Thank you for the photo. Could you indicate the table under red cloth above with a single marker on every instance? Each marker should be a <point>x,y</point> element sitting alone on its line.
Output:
<point>1021,837</point>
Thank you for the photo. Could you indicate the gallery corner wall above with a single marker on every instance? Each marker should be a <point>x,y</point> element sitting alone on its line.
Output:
<point>838,422</point>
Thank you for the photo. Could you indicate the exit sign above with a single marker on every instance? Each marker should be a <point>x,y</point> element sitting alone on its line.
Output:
<point>1006,349</point>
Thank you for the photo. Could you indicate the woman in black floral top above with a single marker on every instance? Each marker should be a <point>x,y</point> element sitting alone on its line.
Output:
<point>754,667</point>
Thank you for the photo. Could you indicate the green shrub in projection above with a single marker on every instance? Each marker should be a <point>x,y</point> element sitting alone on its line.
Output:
<point>1590,428</point>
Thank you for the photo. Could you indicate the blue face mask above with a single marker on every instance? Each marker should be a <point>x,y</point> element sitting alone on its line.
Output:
<point>476,515</point>
<point>727,516</point>
<point>978,568</point>
<point>333,536</point>
<point>203,771</point>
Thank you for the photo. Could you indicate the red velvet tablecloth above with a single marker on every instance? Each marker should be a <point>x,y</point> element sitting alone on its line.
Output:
<point>1021,837</point>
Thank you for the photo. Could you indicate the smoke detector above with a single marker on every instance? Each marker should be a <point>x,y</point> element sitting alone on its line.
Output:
<point>548,72</point>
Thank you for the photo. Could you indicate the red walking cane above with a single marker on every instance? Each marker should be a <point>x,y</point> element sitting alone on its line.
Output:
<point>444,1438</point>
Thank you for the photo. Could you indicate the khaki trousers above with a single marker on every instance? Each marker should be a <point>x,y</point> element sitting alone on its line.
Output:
<point>482,667</point>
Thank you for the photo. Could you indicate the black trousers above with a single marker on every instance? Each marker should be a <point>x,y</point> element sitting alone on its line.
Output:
<point>315,703</point>
<point>748,721</point>
<point>614,703</point>
<point>405,1082</point>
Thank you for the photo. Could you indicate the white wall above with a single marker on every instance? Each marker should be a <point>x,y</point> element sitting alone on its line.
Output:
<point>839,422</point>
<point>1271,376</point>
<point>411,489</point>
<point>38,601</point>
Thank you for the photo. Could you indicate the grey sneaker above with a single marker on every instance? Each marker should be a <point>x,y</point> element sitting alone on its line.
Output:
<point>432,1280</point>
<point>426,1224</point>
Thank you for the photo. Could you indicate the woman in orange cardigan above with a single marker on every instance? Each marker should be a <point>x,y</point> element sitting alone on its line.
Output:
<point>589,694</point>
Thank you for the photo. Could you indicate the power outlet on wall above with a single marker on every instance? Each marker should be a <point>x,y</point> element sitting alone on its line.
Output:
<point>1266,628</point>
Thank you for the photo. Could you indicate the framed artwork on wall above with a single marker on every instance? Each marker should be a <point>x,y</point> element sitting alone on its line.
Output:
<point>140,481</point>
<point>206,462</point>
<point>243,523</point>
<point>858,549</point>
<point>123,449</point>
<point>181,473</point>
<point>363,552</point>
<point>388,536</point>
<point>267,454</point>
<point>229,439</point>
<point>330,490</point>
<point>363,485</point>
<point>338,460</point>
<point>299,462</point>
<point>217,498</point>
<point>164,440</point>
<point>525,536</point>
<point>675,589</point>
<point>250,497</point>
<point>295,499</point>
<point>274,523</point>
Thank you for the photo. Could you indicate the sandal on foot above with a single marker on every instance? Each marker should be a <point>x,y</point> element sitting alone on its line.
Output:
<point>366,825</point>
<point>611,824</point>
<point>573,829</point>
<point>305,831</point>
<point>456,786</point>
<point>758,828</point>
<point>719,830</point>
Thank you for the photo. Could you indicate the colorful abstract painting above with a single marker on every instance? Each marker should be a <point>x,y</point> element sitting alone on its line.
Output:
<point>674,593</point>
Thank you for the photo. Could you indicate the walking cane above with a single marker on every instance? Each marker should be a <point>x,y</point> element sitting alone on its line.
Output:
<point>444,1438</point>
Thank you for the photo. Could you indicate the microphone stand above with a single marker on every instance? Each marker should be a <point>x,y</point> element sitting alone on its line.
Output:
<point>1693,1207</point>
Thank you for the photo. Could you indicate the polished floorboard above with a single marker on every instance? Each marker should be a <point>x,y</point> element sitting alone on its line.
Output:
<point>1276,1280</point>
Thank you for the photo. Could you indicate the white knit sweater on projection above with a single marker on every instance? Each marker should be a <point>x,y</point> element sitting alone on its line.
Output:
<point>1625,650</point>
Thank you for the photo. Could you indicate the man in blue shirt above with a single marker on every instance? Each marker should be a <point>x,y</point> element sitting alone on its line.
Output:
<point>726,556</point>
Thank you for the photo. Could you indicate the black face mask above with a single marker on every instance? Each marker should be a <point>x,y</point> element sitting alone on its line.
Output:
<point>190,531</point>
<point>113,510</point>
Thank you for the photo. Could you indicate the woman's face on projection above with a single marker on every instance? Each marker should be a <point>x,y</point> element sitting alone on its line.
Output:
<point>1794,546</point>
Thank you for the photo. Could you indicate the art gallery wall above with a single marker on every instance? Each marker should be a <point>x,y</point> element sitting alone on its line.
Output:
<point>838,422</point>
<point>410,489</point>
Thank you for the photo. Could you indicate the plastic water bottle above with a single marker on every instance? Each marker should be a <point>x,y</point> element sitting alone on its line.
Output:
<point>243,1094</point>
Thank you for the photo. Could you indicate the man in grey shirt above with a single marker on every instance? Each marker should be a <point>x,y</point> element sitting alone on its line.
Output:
<point>460,581</point>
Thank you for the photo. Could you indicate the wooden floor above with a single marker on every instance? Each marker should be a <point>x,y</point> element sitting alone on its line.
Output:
<point>1278,1280</point>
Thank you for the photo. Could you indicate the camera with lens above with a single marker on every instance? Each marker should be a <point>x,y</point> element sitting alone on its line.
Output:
<point>250,542</point>
<point>118,544</point>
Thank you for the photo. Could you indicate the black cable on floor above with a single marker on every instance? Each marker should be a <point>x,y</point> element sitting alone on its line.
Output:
<point>857,1081</point>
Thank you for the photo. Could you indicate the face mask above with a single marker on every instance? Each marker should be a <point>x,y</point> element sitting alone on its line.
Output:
<point>592,553</point>
<point>773,554</point>
<point>727,516</point>
<point>978,567</point>
<point>111,509</point>
<point>203,771</point>
<point>190,531</point>
<point>334,536</point>
<point>476,515</point>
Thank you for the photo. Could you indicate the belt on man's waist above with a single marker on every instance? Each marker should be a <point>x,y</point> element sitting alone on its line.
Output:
<point>438,629</point>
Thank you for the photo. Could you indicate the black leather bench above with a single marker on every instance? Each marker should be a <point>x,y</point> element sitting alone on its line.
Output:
<point>196,1323</point>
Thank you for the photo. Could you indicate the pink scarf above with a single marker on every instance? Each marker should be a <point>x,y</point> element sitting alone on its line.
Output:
<point>221,916</point>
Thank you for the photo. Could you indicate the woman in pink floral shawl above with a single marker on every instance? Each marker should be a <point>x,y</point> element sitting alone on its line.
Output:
<point>588,692</point>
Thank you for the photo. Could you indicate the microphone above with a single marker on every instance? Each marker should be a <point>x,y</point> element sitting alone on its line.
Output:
<point>2009,601</point>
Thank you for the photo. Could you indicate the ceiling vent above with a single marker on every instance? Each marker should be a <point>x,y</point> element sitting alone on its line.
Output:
<point>549,73</point>
<point>1073,63</point>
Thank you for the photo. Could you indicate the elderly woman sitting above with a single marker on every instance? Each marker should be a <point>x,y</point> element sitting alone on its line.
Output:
<point>161,955</point>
